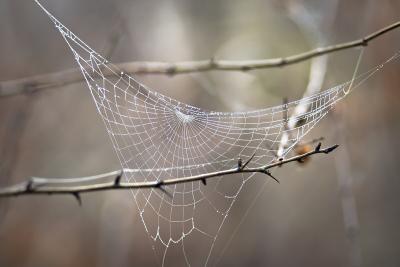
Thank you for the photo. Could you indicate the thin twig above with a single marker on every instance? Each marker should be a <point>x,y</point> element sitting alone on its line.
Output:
<point>52,80</point>
<point>43,186</point>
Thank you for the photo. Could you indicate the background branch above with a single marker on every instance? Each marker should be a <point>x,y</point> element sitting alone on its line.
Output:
<point>316,34</point>
<point>45,186</point>
<point>57,79</point>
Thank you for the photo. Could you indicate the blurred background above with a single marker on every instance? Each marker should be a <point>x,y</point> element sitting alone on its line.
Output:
<point>336,210</point>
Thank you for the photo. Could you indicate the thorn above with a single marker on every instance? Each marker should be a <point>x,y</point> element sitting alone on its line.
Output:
<point>280,160</point>
<point>204,181</point>
<point>270,175</point>
<point>330,149</point>
<point>78,198</point>
<point>318,147</point>
<point>248,161</point>
<point>301,160</point>
<point>212,62</point>
<point>240,163</point>
<point>162,189</point>
<point>117,180</point>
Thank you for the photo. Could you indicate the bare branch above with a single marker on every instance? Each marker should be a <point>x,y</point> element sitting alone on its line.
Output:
<point>57,79</point>
<point>42,186</point>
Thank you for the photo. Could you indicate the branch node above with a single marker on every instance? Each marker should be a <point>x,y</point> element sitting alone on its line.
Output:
<point>245,68</point>
<point>364,42</point>
<point>29,186</point>
<point>31,88</point>
<point>280,160</point>
<point>282,62</point>
<point>117,180</point>
<point>239,164</point>
<point>171,70</point>
<point>213,63</point>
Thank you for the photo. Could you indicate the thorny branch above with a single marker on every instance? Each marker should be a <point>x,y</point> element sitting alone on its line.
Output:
<point>42,186</point>
<point>52,80</point>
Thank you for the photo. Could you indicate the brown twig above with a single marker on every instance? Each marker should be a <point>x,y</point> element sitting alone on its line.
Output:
<point>44,187</point>
<point>52,80</point>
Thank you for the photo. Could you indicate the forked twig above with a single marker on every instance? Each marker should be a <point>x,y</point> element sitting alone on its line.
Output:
<point>43,186</point>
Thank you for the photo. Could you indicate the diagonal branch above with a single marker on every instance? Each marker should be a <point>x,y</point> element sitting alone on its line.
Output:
<point>57,79</point>
<point>42,186</point>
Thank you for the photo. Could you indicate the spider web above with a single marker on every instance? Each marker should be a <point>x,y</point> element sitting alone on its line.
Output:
<point>156,137</point>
